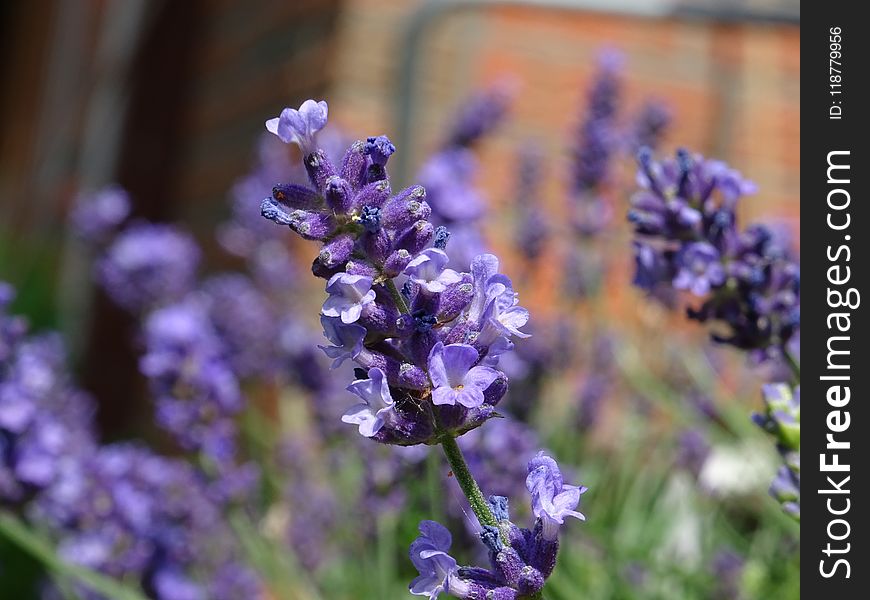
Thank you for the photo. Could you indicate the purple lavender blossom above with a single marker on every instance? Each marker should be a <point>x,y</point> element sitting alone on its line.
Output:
<point>700,269</point>
<point>449,181</point>
<point>348,296</point>
<point>96,216</point>
<point>377,405</point>
<point>374,244</point>
<point>596,142</point>
<point>552,499</point>
<point>244,318</point>
<point>148,265</point>
<point>300,126</point>
<point>520,559</point>
<point>480,114</point>
<point>137,516</point>
<point>347,340</point>
<point>429,553</point>
<point>45,422</point>
<point>532,227</point>
<point>685,218</point>
<point>650,125</point>
<point>196,392</point>
<point>456,379</point>
<point>428,271</point>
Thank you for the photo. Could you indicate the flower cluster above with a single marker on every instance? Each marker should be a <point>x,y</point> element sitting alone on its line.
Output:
<point>148,265</point>
<point>782,419</point>
<point>137,516</point>
<point>428,353</point>
<point>685,220</point>
<point>45,423</point>
<point>596,142</point>
<point>521,559</point>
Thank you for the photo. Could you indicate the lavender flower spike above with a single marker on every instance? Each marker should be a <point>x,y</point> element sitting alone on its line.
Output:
<point>427,270</point>
<point>552,498</point>
<point>429,554</point>
<point>455,378</point>
<point>348,296</point>
<point>377,406</point>
<point>300,126</point>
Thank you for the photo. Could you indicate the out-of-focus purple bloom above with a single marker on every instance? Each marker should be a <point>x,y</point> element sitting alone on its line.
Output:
<point>244,319</point>
<point>480,114</point>
<point>532,227</point>
<point>96,216</point>
<point>650,125</point>
<point>456,379</point>
<point>300,126</point>
<point>685,218</point>
<point>700,269</point>
<point>552,499</point>
<point>428,271</point>
<point>196,392</point>
<point>45,423</point>
<point>429,553</point>
<point>148,265</point>
<point>377,403</point>
<point>692,451</point>
<point>136,516</point>
<point>449,181</point>
<point>596,141</point>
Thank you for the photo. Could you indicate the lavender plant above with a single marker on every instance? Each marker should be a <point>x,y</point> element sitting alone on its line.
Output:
<point>685,219</point>
<point>427,340</point>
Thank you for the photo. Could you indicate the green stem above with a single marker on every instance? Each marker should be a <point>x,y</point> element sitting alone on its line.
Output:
<point>466,481</point>
<point>397,296</point>
<point>19,534</point>
<point>793,365</point>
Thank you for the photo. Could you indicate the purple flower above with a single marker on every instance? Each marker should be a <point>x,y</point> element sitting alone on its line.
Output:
<point>552,499</point>
<point>300,126</point>
<point>448,179</point>
<point>700,269</point>
<point>96,215</point>
<point>380,149</point>
<point>148,265</point>
<point>377,405</point>
<point>348,296</point>
<point>429,553</point>
<point>428,271</point>
<point>347,340</point>
<point>455,378</point>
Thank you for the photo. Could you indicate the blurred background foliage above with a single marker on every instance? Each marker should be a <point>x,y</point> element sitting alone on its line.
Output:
<point>168,99</point>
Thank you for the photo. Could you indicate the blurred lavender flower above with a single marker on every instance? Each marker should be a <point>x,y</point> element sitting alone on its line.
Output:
<point>480,115</point>
<point>532,226</point>
<point>244,319</point>
<point>196,392</point>
<point>45,422</point>
<point>650,125</point>
<point>148,265</point>
<point>97,216</point>
<point>692,451</point>
<point>596,142</point>
<point>137,516</point>
<point>685,219</point>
